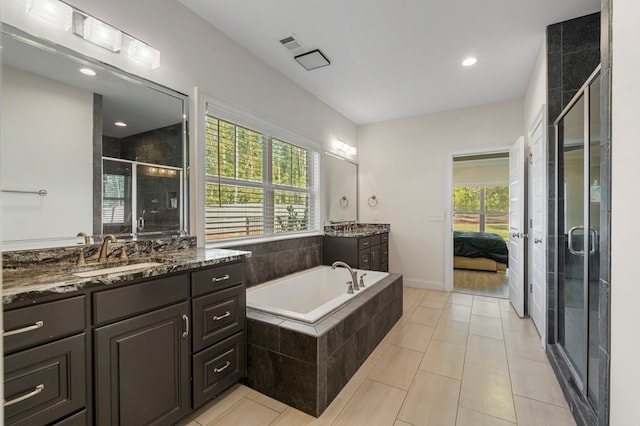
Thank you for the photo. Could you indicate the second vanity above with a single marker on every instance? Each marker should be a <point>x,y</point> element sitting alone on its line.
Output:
<point>141,346</point>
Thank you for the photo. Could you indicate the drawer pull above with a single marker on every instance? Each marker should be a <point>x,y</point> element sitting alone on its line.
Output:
<point>38,389</point>
<point>35,326</point>
<point>221,369</point>
<point>218,279</point>
<point>185,332</point>
<point>218,318</point>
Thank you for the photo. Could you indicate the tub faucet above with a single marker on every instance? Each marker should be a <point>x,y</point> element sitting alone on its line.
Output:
<point>354,274</point>
<point>103,248</point>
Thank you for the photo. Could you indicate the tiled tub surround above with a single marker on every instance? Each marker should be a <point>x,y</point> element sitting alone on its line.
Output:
<point>275,259</point>
<point>30,275</point>
<point>306,365</point>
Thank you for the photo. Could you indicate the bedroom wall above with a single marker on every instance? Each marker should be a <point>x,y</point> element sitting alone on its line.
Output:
<point>403,161</point>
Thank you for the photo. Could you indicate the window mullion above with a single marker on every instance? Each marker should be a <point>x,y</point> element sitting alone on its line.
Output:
<point>269,201</point>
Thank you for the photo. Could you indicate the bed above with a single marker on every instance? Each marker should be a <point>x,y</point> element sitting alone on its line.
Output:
<point>482,251</point>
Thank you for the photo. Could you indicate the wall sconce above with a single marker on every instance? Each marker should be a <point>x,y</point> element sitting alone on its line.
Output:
<point>51,11</point>
<point>345,149</point>
<point>93,30</point>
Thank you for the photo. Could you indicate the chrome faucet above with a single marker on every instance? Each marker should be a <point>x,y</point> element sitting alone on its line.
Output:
<point>103,248</point>
<point>354,274</point>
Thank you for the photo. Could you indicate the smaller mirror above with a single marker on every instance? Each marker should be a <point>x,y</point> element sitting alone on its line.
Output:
<point>341,189</point>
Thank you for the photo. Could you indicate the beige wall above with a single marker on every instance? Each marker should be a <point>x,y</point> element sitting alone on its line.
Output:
<point>625,154</point>
<point>403,163</point>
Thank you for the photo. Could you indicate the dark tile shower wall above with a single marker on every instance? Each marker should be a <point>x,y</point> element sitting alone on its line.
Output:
<point>574,49</point>
<point>158,146</point>
<point>275,259</point>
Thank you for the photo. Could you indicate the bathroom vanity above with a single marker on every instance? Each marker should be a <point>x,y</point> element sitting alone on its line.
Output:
<point>136,347</point>
<point>362,246</point>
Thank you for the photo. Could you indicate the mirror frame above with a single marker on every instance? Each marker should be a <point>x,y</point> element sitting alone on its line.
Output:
<point>70,54</point>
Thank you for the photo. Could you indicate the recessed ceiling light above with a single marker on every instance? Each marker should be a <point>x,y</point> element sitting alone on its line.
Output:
<point>469,61</point>
<point>87,71</point>
<point>120,124</point>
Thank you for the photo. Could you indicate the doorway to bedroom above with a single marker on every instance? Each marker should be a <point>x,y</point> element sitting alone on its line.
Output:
<point>480,223</point>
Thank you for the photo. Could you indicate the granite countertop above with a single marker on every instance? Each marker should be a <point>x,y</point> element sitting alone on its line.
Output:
<point>30,283</point>
<point>356,230</point>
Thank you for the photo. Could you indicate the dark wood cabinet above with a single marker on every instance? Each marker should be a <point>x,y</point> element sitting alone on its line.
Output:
<point>219,341</point>
<point>45,383</point>
<point>136,353</point>
<point>370,252</point>
<point>45,362</point>
<point>142,368</point>
<point>142,352</point>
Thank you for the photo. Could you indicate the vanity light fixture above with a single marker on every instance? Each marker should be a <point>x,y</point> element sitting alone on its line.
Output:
<point>104,35</point>
<point>93,30</point>
<point>87,71</point>
<point>120,124</point>
<point>345,149</point>
<point>312,60</point>
<point>52,11</point>
<point>144,53</point>
<point>469,61</point>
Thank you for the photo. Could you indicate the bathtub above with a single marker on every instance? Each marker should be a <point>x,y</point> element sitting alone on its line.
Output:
<point>309,295</point>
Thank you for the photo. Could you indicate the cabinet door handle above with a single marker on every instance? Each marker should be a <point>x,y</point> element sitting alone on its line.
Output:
<point>31,394</point>
<point>185,332</point>
<point>221,369</point>
<point>218,318</point>
<point>218,279</point>
<point>36,325</point>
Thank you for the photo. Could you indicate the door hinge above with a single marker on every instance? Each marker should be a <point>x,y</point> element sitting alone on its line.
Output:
<point>530,287</point>
<point>530,223</point>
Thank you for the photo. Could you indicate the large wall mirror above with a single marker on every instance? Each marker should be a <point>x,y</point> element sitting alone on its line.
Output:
<point>100,154</point>
<point>341,189</point>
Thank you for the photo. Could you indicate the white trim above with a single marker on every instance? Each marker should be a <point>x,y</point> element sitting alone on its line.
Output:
<point>416,283</point>
<point>207,104</point>
<point>448,206</point>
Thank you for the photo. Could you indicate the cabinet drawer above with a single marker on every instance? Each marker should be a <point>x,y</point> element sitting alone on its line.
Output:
<point>217,368</point>
<point>365,259</point>
<point>133,299</point>
<point>364,243</point>
<point>384,237</point>
<point>33,325</point>
<point>217,316</point>
<point>384,249</point>
<point>46,383</point>
<point>375,240</point>
<point>79,419</point>
<point>216,278</point>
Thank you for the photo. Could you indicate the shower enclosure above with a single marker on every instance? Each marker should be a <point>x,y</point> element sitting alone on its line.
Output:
<point>140,197</point>
<point>578,230</point>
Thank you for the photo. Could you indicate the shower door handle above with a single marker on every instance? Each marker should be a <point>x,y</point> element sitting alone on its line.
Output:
<point>570,242</point>
<point>594,237</point>
<point>141,223</point>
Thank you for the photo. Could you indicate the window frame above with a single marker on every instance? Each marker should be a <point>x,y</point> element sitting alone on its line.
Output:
<point>208,106</point>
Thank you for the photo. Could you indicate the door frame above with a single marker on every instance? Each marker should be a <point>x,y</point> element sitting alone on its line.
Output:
<point>448,205</point>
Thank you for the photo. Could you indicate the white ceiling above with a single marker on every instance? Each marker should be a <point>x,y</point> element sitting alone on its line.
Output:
<point>392,59</point>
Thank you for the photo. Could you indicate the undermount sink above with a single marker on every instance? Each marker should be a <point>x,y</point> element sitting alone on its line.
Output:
<point>116,269</point>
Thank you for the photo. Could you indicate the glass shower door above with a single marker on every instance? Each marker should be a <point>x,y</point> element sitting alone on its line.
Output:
<point>578,230</point>
<point>158,200</point>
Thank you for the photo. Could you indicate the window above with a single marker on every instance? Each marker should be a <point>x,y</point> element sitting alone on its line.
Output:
<point>113,200</point>
<point>255,184</point>
<point>481,208</point>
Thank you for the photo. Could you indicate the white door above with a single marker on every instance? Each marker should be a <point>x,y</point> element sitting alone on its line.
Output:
<point>537,226</point>
<point>517,230</point>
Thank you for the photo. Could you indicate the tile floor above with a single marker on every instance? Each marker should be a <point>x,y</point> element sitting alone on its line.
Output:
<point>452,359</point>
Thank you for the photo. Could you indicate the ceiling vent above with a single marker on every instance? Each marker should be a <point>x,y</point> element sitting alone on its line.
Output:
<point>294,45</point>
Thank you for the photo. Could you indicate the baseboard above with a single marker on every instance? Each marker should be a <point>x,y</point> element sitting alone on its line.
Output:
<point>430,285</point>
